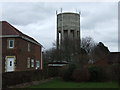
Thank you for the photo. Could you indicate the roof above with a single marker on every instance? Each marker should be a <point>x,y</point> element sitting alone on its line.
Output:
<point>68,13</point>
<point>9,31</point>
<point>57,63</point>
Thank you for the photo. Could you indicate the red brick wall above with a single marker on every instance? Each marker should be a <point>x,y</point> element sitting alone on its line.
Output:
<point>21,53</point>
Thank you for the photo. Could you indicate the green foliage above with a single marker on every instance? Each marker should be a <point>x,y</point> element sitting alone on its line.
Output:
<point>80,74</point>
<point>91,73</point>
<point>66,73</point>
<point>53,71</point>
<point>97,73</point>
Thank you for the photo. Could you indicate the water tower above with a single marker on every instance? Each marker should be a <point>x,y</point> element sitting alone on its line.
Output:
<point>68,26</point>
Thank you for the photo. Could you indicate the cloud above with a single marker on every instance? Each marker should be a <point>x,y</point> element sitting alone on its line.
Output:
<point>38,19</point>
<point>43,33</point>
<point>25,13</point>
<point>104,12</point>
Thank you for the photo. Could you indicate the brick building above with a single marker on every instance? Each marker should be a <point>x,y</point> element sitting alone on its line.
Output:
<point>19,51</point>
<point>111,58</point>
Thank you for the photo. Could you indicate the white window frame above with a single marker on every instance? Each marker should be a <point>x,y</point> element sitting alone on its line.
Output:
<point>28,47</point>
<point>9,43</point>
<point>28,62</point>
<point>32,62</point>
<point>37,64</point>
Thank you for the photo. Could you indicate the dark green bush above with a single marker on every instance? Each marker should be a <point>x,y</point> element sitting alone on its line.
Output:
<point>115,72</point>
<point>80,74</point>
<point>97,73</point>
<point>66,73</point>
<point>53,71</point>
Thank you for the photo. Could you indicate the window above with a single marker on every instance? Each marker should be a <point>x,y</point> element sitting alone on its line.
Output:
<point>37,64</point>
<point>32,62</point>
<point>28,62</point>
<point>28,47</point>
<point>11,44</point>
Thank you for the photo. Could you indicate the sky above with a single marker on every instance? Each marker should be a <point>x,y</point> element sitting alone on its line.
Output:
<point>98,20</point>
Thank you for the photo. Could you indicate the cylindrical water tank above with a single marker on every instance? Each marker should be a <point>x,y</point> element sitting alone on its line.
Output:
<point>68,21</point>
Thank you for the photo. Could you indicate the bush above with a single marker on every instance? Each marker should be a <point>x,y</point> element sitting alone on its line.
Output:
<point>53,71</point>
<point>66,72</point>
<point>80,74</point>
<point>97,73</point>
<point>114,70</point>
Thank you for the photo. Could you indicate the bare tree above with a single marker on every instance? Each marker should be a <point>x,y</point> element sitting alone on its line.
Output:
<point>88,44</point>
<point>69,51</point>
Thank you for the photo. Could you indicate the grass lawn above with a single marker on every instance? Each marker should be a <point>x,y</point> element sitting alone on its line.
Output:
<point>62,84</point>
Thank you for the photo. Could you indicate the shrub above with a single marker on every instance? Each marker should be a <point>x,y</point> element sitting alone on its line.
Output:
<point>80,74</point>
<point>97,73</point>
<point>66,72</point>
<point>115,68</point>
<point>53,71</point>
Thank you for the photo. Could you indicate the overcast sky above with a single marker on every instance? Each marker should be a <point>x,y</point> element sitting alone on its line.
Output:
<point>38,20</point>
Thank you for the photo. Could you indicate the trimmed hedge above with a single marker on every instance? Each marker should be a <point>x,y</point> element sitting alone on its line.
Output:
<point>14,78</point>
